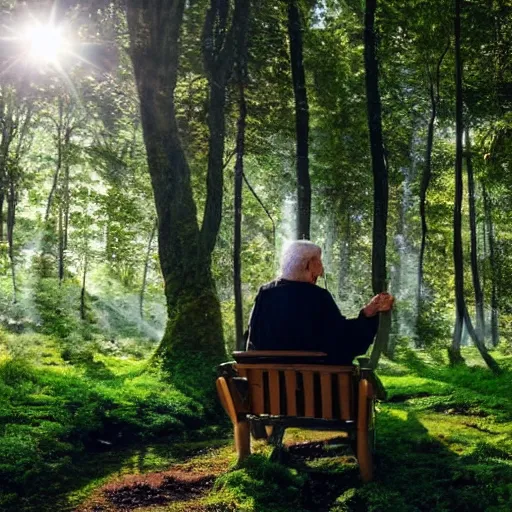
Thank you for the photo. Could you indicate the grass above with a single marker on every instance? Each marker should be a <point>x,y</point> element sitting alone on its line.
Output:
<point>70,429</point>
<point>53,413</point>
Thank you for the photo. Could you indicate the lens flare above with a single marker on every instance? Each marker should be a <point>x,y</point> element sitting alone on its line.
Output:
<point>44,43</point>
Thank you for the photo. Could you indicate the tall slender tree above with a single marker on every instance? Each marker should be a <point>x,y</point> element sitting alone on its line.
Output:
<point>301,120</point>
<point>458,256</point>
<point>434,93</point>
<point>241,78</point>
<point>492,260</point>
<point>380,176</point>
<point>475,272</point>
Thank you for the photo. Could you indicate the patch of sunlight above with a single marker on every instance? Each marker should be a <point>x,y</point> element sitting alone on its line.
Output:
<point>408,381</point>
<point>397,413</point>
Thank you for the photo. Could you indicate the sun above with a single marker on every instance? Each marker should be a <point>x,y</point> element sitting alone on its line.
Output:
<point>45,43</point>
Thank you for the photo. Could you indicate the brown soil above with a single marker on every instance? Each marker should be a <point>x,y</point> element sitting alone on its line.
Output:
<point>137,491</point>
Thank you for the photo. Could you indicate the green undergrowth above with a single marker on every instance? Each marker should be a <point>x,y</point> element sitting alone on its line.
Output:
<point>69,426</point>
<point>444,443</point>
<point>54,411</point>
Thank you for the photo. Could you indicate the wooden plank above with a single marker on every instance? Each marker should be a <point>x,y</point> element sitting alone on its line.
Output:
<point>226,400</point>
<point>309,394</point>
<point>291,397</point>
<point>350,370</point>
<point>275,398</point>
<point>278,353</point>
<point>325,381</point>
<point>344,383</point>
<point>242,372</point>
<point>255,378</point>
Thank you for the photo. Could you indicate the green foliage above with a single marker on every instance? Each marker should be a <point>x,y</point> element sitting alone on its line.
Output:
<point>51,413</point>
<point>261,485</point>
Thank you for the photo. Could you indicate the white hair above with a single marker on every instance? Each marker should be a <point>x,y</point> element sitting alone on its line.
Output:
<point>295,258</point>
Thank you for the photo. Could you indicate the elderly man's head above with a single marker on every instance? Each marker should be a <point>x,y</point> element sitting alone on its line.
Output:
<point>302,261</point>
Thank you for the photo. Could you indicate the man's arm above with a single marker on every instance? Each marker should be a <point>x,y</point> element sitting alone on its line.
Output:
<point>346,338</point>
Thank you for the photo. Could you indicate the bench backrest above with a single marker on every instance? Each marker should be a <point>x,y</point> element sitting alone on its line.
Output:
<point>300,390</point>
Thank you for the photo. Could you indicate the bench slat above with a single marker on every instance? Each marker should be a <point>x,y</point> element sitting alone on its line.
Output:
<point>325,381</point>
<point>345,396</point>
<point>309,394</point>
<point>349,370</point>
<point>255,379</point>
<point>291,387</point>
<point>275,397</point>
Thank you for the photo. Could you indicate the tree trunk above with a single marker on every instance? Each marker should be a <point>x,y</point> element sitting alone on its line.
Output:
<point>2,199</point>
<point>11,220</point>
<point>380,177</point>
<point>145,272</point>
<point>479,296</point>
<point>493,263</point>
<point>84,277</point>
<point>458,256</point>
<point>301,121</point>
<point>61,246</point>
<point>193,342</point>
<point>58,165</point>
<point>458,260</point>
<point>239,173</point>
<point>426,177</point>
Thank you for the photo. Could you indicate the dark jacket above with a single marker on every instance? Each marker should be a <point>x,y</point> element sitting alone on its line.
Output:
<point>293,315</point>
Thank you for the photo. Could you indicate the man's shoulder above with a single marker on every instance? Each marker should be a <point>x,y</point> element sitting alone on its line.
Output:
<point>295,287</point>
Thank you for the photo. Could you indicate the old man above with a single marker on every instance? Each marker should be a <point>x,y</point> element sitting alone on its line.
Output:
<point>293,313</point>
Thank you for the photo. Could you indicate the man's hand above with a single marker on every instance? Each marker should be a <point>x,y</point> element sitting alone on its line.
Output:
<point>379,304</point>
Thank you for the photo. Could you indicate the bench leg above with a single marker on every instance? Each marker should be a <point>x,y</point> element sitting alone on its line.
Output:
<point>364,454</point>
<point>242,440</point>
<point>364,457</point>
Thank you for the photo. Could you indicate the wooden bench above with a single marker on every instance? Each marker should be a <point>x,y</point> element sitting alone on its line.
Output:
<point>295,389</point>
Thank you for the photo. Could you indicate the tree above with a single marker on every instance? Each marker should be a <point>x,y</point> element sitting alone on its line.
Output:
<point>241,78</point>
<point>458,257</point>
<point>301,121</point>
<point>193,339</point>
<point>380,177</point>
<point>434,92</point>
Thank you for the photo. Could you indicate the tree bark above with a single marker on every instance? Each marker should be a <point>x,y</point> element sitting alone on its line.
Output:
<point>238,182</point>
<point>427,176</point>
<point>84,277</point>
<point>193,342</point>
<point>145,272</point>
<point>11,220</point>
<point>455,354</point>
<point>301,121</point>
<point>458,256</point>
<point>60,127</point>
<point>380,177</point>
<point>493,263</point>
<point>477,287</point>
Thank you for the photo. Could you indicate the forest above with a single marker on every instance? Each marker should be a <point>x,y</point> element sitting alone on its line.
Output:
<point>156,157</point>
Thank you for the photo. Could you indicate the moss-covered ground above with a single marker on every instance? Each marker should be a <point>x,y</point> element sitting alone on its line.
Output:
<point>106,436</point>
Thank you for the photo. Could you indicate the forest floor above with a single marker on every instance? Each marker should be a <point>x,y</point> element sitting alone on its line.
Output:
<point>444,444</point>
<point>88,437</point>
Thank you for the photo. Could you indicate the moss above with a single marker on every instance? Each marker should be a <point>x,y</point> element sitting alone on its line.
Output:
<point>193,345</point>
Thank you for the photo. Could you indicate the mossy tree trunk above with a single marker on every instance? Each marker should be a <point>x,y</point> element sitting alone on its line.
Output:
<point>193,341</point>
